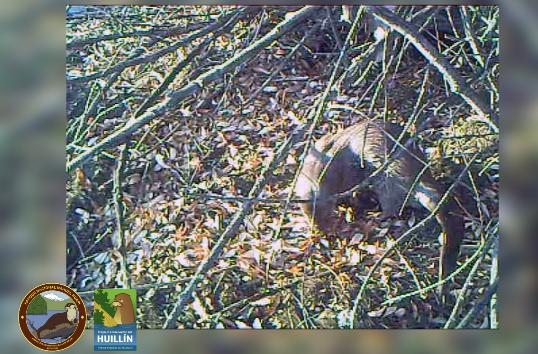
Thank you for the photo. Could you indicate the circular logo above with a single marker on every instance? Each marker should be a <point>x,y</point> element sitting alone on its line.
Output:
<point>52,316</point>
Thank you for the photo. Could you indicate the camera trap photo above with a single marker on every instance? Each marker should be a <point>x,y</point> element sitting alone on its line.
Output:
<point>286,167</point>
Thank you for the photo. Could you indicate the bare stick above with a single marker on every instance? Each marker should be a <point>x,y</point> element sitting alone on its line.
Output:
<point>119,240</point>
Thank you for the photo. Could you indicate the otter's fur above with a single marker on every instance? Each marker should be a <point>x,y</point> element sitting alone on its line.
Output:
<point>336,163</point>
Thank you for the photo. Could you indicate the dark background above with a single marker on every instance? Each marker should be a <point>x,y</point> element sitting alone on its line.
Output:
<point>32,200</point>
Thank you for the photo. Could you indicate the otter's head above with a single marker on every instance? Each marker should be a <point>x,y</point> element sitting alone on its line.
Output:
<point>121,300</point>
<point>71,311</point>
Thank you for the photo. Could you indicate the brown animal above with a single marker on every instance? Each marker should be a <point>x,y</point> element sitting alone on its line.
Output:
<point>124,309</point>
<point>337,163</point>
<point>59,321</point>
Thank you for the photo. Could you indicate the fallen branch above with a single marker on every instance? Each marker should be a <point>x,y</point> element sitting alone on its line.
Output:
<point>176,97</point>
<point>157,92</point>
<point>247,199</point>
<point>119,240</point>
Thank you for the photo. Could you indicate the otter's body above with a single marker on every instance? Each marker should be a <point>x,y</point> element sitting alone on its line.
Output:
<point>58,321</point>
<point>124,309</point>
<point>338,162</point>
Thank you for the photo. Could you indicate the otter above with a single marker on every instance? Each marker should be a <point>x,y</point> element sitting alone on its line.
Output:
<point>336,163</point>
<point>59,323</point>
<point>124,309</point>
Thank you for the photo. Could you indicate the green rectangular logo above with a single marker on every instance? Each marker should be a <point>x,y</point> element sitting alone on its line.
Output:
<point>114,317</point>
